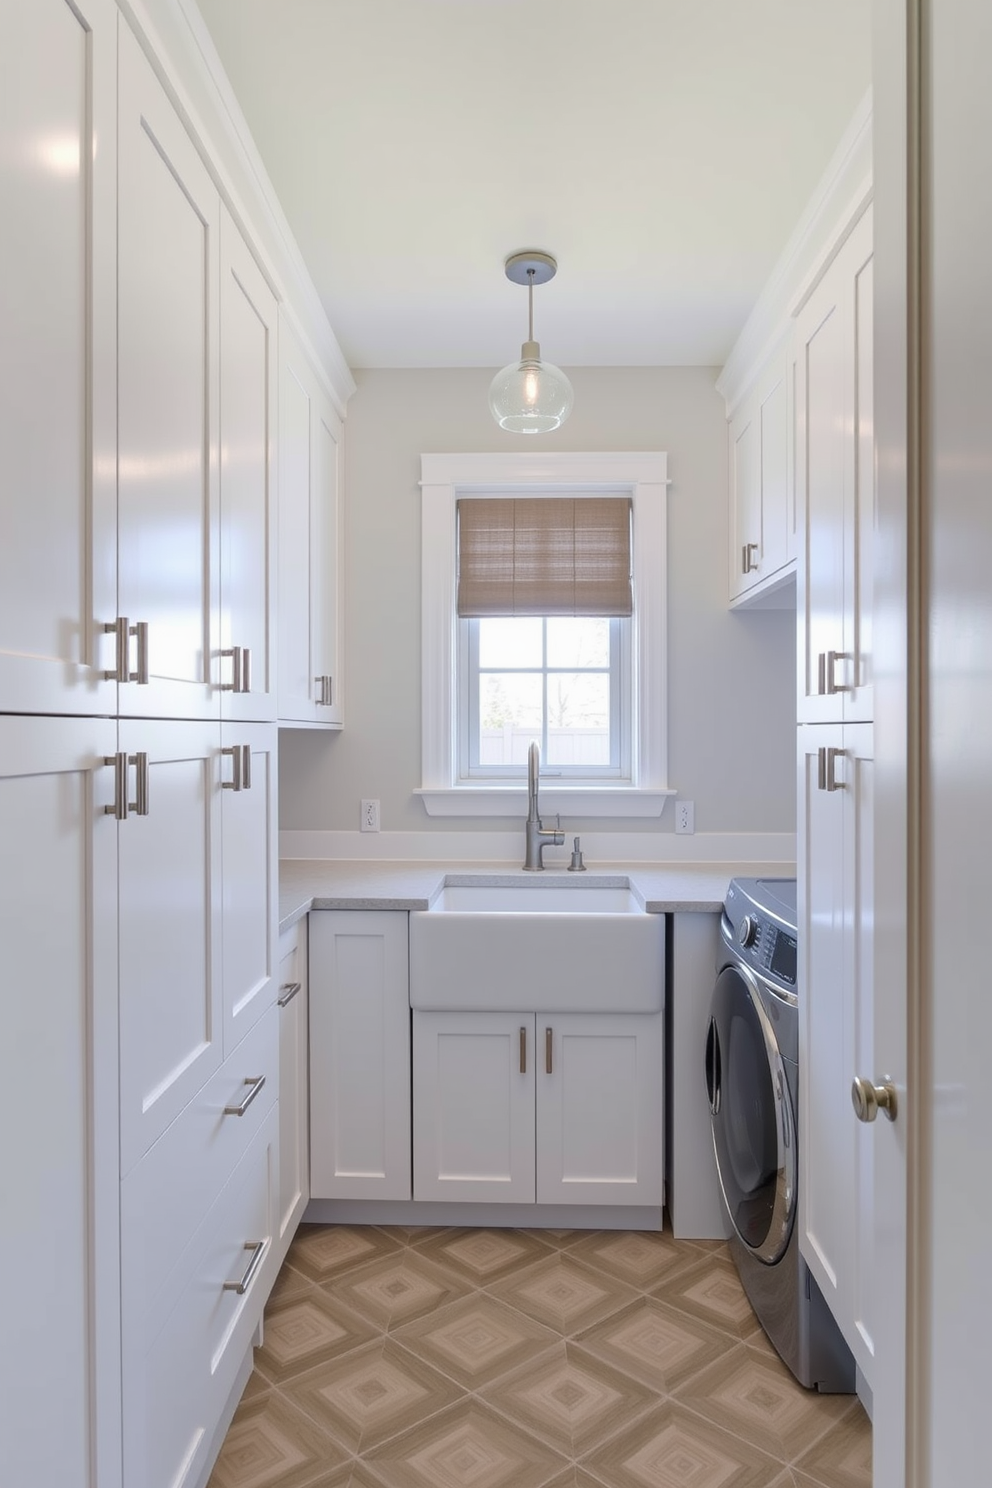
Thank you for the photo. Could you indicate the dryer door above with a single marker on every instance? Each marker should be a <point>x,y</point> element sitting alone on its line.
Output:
<point>754,1134</point>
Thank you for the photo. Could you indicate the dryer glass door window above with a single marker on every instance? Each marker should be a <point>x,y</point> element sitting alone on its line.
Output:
<point>753,1132</point>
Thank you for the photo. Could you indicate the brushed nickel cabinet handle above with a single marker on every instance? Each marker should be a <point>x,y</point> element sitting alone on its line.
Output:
<point>237,760</point>
<point>246,767</point>
<point>287,992</point>
<point>141,675</point>
<point>258,1249</point>
<point>234,652</point>
<point>821,769</point>
<point>523,1051</point>
<point>832,783</point>
<point>833,686</point>
<point>246,669</point>
<point>747,564</point>
<point>548,1039</point>
<point>255,1083</point>
<point>123,630</point>
<point>120,807</point>
<point>140,762</point>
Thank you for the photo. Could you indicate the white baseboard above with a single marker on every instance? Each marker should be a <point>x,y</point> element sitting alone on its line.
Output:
<point>507,847</point>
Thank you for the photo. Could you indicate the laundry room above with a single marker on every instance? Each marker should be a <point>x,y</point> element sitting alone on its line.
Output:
<point>458,767</point>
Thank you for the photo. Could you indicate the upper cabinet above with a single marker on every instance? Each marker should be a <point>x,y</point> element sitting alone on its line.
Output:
<point>58,386</point>
<point>762,489</point>
<point>310,543</point>
<point>836,495</point>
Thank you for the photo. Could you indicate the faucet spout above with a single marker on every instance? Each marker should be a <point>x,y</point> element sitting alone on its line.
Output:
<point>537,836</point>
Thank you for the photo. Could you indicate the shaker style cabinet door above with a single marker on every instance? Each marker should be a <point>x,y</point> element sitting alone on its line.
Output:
<point>168,402</point>
<point>762,496</point>
<point>836,1207</point>
<point>248,875</point>
<point>836,487</point>
<point>473,1112</point>
<point>310,601</point>
<point>248,370</point>
<point>59,1246</point>
<point>58,305</point>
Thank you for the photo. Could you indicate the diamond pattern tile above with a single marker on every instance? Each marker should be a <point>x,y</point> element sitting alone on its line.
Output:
<point>455,1358</point>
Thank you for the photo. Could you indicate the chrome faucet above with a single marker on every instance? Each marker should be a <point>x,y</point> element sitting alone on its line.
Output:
<point>538,836</point>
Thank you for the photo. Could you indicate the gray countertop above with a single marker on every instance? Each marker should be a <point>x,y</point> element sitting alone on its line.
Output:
<point>306,883</point>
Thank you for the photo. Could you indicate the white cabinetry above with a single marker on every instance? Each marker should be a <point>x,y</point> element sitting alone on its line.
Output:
<point>762,489</point>
<point>310,543</point>
<point>835,856</point>
<point>836,464</point>
<point>59,1245</point>
<point>559,1109</point>
<point>58,388</point>
<point>359,1055</point>
<point>294,1084</point>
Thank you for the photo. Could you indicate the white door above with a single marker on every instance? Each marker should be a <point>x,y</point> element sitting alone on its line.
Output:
<point>248,784</point>
<point>600,1108</point>
<point>248,370</point>
<point>59,1246</point>
<point>745,496</point>
<point>58,351</point>
<point>168,282</point>
<point>473,1114</point>
<point>955,1036</point>
<point>359,1055</point>
<point>297,413</point>
<point>171,1008</point>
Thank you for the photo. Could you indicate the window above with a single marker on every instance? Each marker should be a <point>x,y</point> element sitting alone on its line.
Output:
<point>581,666</point>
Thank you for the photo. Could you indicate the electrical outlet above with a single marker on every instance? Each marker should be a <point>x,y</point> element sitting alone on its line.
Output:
<point>685,818</point>
<point>370,816</point>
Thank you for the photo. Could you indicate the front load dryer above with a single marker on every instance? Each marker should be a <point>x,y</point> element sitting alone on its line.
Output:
<point>752,1078</point>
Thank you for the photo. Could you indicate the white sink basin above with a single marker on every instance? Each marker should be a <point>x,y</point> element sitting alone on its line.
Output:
<point>535,946</point>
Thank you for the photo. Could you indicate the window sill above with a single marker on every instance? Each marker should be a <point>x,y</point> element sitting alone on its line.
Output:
<point>565,800</point>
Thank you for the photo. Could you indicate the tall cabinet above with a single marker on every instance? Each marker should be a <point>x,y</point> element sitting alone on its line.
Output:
<point>836,491</point>
<point>137,767</point>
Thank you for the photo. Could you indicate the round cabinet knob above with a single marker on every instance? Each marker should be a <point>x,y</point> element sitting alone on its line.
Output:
<point>868,1099</point>
<point>747,931</point>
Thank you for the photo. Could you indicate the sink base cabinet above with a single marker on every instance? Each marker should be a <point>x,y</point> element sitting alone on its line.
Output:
<point>523,1108</point>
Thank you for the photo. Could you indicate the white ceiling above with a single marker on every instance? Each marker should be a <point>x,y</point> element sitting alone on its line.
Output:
<point>662,150</point>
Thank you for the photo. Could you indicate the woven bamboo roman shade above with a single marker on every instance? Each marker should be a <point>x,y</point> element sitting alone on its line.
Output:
<point>544,556</point>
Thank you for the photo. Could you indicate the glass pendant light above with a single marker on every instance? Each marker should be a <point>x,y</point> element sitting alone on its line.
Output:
<point>530,396</point>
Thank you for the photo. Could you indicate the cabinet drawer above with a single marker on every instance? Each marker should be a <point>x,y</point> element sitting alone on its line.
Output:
<point>165,1197</point>
<point>181,1361</point>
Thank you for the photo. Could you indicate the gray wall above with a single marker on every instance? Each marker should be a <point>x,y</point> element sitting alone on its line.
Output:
<point>731,675</point>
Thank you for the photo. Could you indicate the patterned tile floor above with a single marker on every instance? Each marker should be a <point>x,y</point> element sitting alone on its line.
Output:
<point>416,1358</point>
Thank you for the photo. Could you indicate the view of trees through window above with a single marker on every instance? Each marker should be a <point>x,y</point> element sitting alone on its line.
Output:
<point>544,678</point>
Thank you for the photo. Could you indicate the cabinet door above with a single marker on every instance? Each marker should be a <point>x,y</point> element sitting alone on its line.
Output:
<point>58,306</point>
<point>248,369</point>
<point>171,1007</point>
<point>248,772</point>
<point>835,460</point>
<point>745,500</point>
<point>168,553</point>
<point>600,1108</point>
<point>326,569</point>
<point>473,1115</point>
<point>761,486</point>
<point>359,1055</point>
<point>310,553</point>
<point>294,1085</point>
<point>59,1247</point>
<point>835,898</point>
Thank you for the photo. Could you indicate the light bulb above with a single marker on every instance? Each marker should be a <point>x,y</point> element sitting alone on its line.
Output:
<point>530,396</point>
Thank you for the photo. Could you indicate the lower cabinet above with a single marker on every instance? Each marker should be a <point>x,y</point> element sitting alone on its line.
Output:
<point>292,1002</point>
<point>835,863</point>
<point>359,1055</point>
<point>564,1108</point>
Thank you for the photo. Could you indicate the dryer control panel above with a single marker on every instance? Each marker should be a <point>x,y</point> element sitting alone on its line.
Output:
<point>759,921</point>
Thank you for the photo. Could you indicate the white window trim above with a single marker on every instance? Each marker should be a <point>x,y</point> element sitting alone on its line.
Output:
<point>644,477</point>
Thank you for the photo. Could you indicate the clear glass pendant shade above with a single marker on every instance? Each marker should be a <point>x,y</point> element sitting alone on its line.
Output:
<point>530,396</point>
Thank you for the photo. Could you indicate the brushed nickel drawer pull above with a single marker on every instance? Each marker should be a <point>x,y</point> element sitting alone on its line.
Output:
<point>246,669</point>
<point>256,1082</point>
<point>140,762</point>
<point>258,1249</point>
<point>523,1051</point>
<point>548,1039</point>
<point>833,783</point>
<point>120,807</point>
<point>234,652</point>
<point>246,767</point>
<point>747,563</point>
<point>237,759</point>
<point>833,686</point>
<point>821,768</point>
<point>288,992</point>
